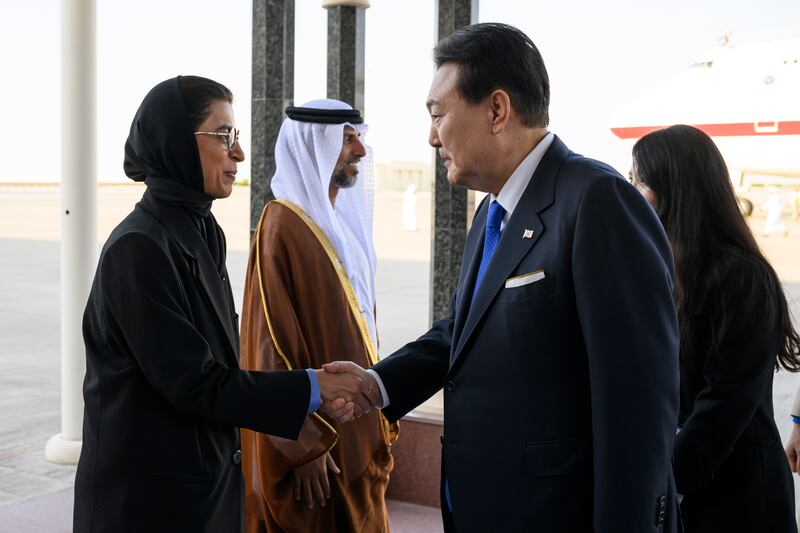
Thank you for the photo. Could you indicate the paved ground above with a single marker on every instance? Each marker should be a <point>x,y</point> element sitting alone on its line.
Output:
<point>52,513</point>
<point>35,495</point>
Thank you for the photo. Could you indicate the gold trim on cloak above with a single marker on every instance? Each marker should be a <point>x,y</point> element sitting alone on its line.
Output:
<point>390,430</point>
<point>272,333</point>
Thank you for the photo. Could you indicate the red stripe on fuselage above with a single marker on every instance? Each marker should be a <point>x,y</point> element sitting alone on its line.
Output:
<point>739,129</point>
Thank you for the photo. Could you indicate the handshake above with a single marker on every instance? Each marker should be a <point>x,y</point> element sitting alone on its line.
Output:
<point>348,391</point>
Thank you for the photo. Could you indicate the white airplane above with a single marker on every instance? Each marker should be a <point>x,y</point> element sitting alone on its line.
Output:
<point>746,97</point>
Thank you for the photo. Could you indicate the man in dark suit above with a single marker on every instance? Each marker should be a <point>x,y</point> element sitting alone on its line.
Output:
<point>559,358</point>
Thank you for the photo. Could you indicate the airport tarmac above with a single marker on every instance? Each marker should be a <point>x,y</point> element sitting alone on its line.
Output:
<point>35,495</point>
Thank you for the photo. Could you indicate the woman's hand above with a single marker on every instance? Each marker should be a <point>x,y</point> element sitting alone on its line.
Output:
<point>311,480</point>
<point>348,381</point>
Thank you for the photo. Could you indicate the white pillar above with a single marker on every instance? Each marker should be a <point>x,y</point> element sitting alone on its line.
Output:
<point>78,214</point>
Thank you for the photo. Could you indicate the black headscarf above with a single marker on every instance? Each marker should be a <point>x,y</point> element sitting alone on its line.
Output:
<point>161,150</point>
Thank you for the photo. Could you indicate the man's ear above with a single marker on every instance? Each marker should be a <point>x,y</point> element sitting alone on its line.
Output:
<point>500,106</point>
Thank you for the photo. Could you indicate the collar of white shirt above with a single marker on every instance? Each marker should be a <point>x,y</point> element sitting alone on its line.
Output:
<point>512,190</point>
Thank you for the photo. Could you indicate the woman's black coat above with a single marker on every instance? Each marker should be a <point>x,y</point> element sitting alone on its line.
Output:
<point>729,462</point>
<point>164,396</point>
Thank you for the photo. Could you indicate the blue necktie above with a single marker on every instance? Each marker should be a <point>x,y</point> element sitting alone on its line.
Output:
<point>490,239</point>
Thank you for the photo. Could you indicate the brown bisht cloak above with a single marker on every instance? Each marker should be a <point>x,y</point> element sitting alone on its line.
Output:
<point>300,311</point>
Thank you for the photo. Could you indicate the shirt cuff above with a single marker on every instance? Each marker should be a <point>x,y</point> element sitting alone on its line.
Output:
<point>384,396</point>
<point>314,398</point>
<point>796,419</point>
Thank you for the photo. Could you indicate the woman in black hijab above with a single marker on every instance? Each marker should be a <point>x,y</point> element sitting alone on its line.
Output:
<point>735,329</point>
<point>164,396</point>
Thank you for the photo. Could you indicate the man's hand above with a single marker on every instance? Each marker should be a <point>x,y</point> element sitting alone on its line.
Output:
<point>793,449</point>
<point>311,480</point>
<point>339,409</point>
<point>351,387</point>
<point>372,394</point>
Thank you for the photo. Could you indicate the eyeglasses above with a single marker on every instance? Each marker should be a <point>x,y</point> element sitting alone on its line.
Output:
<point>231,137</point>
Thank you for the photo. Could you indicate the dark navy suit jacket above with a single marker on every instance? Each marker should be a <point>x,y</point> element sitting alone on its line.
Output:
<point>561,395</point>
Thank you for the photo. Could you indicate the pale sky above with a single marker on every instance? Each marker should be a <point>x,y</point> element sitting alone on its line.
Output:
<point>599,55</point>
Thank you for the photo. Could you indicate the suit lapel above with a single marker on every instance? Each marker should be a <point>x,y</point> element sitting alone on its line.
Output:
<point>513,245</point>
<point>509,252</point>
<point>179,223</point>
<point>470,262</point>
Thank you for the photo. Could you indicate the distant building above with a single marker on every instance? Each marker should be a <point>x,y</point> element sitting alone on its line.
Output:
<point>398,175</point>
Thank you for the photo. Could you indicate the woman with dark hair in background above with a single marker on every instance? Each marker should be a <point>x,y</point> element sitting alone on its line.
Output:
<point>164,395</point>
<point>735,330</point>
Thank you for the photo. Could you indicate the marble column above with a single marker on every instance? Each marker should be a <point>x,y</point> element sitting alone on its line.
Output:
<point>272,92</point>
<point>346,27</point>
<point>452,206</point>
<point>78,213</point>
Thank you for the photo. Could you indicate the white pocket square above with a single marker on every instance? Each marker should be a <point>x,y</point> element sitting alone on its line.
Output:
<point>525,279</point>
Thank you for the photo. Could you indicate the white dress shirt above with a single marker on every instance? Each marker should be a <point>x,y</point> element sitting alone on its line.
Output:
<point>515,186</point>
